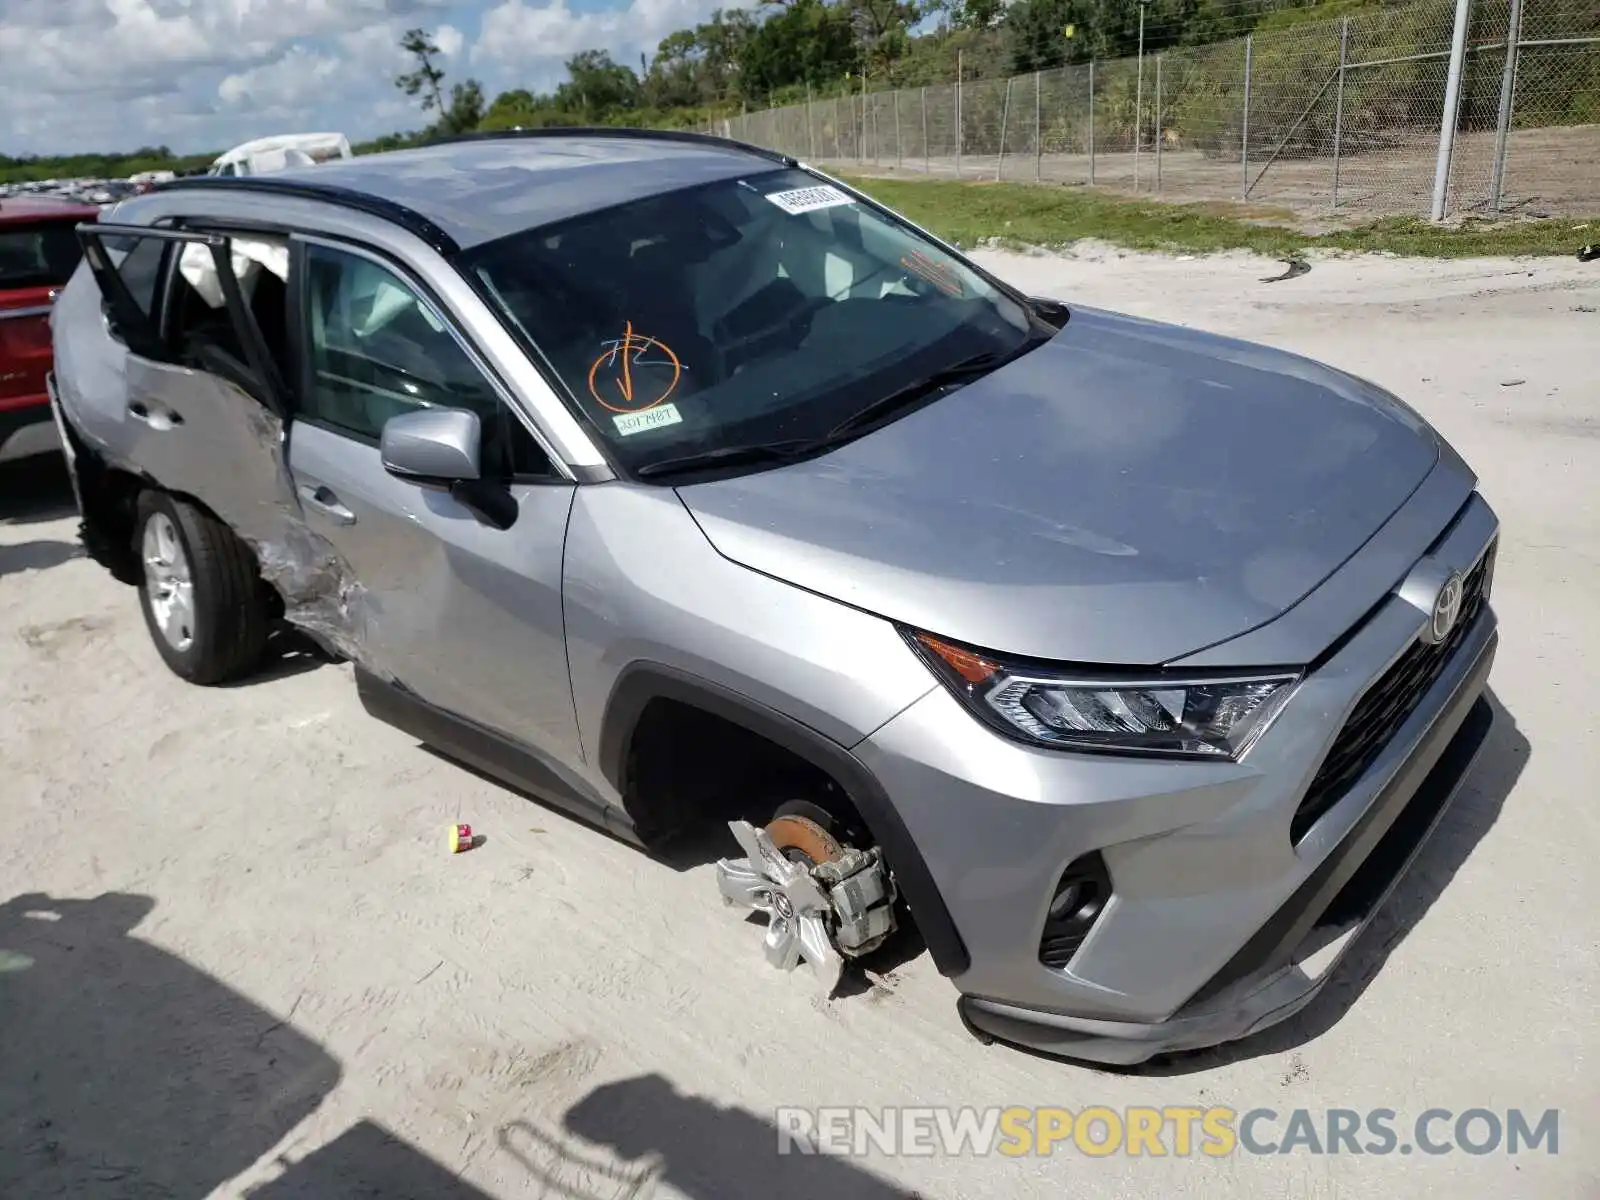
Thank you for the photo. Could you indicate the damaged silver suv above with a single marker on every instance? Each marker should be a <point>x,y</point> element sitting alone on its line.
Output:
<point>667,479</point>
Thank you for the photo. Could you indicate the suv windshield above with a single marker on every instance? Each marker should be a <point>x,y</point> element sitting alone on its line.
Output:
<point>766,309</point>
<point>44,254</point>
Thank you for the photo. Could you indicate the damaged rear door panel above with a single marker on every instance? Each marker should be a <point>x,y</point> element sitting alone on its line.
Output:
<point>205,406</point>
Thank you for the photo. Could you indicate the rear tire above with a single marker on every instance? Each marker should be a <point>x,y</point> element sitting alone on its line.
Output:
<point>202,596</point>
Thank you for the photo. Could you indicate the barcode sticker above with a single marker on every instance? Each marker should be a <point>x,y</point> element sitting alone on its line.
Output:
<point>650,418</point>
<point>809,199</point>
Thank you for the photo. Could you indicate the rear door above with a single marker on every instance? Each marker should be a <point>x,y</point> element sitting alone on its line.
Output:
<point>203,397</point>
<point>36,260</point>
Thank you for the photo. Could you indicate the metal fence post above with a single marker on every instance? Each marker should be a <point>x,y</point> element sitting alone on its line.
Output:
<point>927,152</point>
<point>1138,100</point>
<point>877,133</point>
<point>1452,110</point>
<point>1091,122</point>
<point>1338,106</point>
<point>811,132</point>
<point>958,114</point>
<point>1244,121</point>
<point>899,147</point>
<point>1508,96</point>
<point>861,127</point>
<point>1038,145</point>
<point>838,129</point>
<point>1158,124</point>
<point>1005,119</point>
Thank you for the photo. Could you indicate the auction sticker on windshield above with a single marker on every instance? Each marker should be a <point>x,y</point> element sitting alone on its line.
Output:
<point>653,418</point>
<point>809,199</point>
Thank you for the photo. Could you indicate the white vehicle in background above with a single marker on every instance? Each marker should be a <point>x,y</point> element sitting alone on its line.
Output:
<point>282,152</point>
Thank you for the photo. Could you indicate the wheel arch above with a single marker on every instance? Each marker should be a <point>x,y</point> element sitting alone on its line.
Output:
<point>642,683</point>
<point>108,499</point>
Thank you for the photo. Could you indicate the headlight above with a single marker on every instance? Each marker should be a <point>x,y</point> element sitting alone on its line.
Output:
<point>1185,716</point>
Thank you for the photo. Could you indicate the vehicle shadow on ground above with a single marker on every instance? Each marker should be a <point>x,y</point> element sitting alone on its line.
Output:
<point>696,1149</point>
<point>32,491</point>
<point>289,652</point>
<point>36,555</point>
<point>1477,806</point>
<point>126,1072</point>
<point>367,1160</point>
<point>36,489</point>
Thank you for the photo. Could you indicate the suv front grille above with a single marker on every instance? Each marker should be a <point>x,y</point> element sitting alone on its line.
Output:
<point>1385,707</point>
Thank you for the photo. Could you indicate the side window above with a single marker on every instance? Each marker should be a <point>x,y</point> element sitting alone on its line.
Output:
<point>201,330</point>
<point>139,261</point>
<point>141,271</point>
<point>38,255</point>
<point>378,349</point>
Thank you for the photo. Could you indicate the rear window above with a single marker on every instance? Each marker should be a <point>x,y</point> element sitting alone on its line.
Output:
<point>44,254</point>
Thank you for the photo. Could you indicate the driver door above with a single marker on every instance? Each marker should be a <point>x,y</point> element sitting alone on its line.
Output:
<point>465,615</point>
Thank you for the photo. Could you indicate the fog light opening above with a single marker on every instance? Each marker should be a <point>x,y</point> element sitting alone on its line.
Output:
<point>1079,899</point>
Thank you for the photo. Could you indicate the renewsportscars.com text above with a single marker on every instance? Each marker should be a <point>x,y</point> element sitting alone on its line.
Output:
<point>1212,1132</point>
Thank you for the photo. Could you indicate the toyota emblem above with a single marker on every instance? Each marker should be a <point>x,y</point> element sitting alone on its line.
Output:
<point>1446,608</point>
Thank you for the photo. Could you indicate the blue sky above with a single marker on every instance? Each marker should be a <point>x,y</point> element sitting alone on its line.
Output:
<point>208,74</point>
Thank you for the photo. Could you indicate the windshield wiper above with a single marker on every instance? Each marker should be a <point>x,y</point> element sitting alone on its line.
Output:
<point>790,449</point>
<point>962,371</point>
<point>732,456</point>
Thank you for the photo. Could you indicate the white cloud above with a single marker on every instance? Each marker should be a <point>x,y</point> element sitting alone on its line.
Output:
<point>202,75</point>
<point>450,40</point>
<point>288,83</point>
<point>516,33</point>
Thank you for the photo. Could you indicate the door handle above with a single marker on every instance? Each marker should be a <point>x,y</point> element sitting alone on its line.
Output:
<point>324,501</point>
<point>159,419</point>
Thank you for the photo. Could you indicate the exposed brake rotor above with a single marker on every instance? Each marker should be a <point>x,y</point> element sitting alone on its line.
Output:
<point>823,901</point>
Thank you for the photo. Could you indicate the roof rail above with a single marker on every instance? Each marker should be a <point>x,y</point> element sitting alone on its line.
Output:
<point>330,193</point>
<point>624,132</point>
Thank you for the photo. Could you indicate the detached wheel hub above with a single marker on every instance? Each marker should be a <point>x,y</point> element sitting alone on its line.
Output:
<point>823,901</point>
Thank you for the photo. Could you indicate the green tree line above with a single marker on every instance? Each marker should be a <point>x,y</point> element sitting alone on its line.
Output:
<point>785,51</point>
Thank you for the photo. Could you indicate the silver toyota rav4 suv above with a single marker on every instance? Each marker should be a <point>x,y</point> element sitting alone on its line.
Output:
<point>666,478</point>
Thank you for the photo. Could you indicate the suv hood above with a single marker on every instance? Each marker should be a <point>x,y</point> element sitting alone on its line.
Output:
<point>1128,493</point>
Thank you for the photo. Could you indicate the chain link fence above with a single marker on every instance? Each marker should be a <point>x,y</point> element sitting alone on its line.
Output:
<point>1341,116</point>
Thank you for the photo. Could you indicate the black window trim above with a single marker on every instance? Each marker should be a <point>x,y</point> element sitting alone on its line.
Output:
<point>301,241</point>
<point>166,273</point>
<point>232,227</point>
<point>93,234</point>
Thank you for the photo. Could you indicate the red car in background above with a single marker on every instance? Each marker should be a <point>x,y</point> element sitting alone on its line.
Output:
<point>39,251</point>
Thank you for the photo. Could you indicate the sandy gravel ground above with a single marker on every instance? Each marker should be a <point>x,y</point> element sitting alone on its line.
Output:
<point>264,972</point>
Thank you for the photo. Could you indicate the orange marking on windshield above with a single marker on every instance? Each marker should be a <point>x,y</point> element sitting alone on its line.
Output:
<point>935,273</point>
<point>623,355</point>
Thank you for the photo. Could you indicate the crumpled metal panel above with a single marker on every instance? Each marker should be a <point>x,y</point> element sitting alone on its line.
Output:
<point>321,594</point>
<point>230,455</point>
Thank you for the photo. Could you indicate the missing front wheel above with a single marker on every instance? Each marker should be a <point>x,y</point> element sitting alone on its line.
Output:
<point>824,901</point>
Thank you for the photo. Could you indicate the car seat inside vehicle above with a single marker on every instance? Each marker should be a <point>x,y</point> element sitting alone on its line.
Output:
<point>203,330</point>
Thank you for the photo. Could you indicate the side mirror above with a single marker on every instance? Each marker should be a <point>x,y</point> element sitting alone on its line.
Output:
<point>440,447</point>
<point>432,445</point>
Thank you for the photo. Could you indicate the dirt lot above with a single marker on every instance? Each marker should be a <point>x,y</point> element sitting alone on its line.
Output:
<point>265,972</point>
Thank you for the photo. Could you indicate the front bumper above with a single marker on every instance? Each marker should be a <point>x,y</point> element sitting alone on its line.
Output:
<point>1219,922</point>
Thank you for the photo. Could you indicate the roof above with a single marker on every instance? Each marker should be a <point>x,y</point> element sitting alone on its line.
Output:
<point>14,209</point>
<point>477,190</point>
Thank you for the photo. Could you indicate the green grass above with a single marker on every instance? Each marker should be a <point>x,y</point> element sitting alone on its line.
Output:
<point>967,213</point>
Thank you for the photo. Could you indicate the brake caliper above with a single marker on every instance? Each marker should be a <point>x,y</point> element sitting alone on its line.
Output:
<point>822,914</point>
